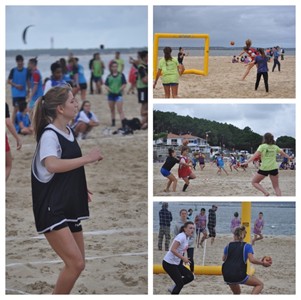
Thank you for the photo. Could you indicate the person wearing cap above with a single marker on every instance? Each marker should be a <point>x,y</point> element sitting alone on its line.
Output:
<point>18,79</point>
<point>36,84</point>
<point>165,218</point>
<point>212,223</point>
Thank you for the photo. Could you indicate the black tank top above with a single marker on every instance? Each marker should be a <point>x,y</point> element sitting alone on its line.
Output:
<point>234,269</point>
<point>65,196</point>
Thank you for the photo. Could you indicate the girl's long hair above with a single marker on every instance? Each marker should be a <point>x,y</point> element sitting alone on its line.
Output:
<point>240,233</point>
<point>268,138</point>
<point>167,53</point>
<point>45,108</point>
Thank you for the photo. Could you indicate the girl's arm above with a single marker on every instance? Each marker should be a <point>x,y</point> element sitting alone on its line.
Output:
<point>173,250</point>
<point>157,77</point>
<point>13,131</point>
<point>255,261</point>
<point>224,257</point>
<point>57,165</point>
<point>282,153</point>
<point>252,158</point>
<point>122,87</point>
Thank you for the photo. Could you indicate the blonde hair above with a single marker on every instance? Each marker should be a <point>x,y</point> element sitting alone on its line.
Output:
<point>45,108</point>
<point>240,233</point>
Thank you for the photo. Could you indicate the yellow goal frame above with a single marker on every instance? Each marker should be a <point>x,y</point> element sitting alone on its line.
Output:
<point>157,36</point>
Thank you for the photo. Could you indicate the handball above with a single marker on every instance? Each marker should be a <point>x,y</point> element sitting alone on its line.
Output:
<point>267,259</point>
<point>232,43</point>
<point>185,142</point>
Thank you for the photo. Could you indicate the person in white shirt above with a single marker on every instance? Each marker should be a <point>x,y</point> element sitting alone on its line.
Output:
<point>84,121</point>
<point>172,260</point>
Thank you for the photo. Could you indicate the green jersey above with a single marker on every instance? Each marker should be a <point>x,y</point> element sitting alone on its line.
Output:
<point>97,68</point>
<point>120,63</point>
<point>115,83</point>
<point>142,72</point>
<point>169,69</point>
<point>268,157</point>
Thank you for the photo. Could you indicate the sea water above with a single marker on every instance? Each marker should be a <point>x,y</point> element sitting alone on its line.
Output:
<point>279,217</point>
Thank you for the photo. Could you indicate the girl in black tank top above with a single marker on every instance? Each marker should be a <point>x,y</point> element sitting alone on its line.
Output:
<point>60,198</point>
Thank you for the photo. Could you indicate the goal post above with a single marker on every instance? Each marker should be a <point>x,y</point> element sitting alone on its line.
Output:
<point>158,36</point>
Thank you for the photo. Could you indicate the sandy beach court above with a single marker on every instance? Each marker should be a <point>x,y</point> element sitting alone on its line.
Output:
<point>208,183</point>
<point>224,80</point>
<point>115,235</point>
<point>278,279</point>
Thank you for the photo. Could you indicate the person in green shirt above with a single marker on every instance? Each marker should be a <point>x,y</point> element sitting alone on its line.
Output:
<point>115,85</point>
<point>169,68</point>
<point>98,70</point>
<point>119,61</point>
<point>267,152</point>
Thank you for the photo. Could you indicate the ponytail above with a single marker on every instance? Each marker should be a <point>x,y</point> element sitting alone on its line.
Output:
<point>167,53</point>
<point>45,108</point>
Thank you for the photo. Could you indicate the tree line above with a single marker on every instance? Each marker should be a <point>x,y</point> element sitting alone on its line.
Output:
<point>217,134</point>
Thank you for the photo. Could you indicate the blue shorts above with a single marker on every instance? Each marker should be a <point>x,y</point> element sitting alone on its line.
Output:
<point>115,98</point>
<point>165,172</point>
<point>170,84</point>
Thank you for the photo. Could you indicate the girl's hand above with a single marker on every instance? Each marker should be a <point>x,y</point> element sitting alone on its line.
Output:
<point>89,196</point>
<point>19,144</point>
<point>94,155</point>
<point>186,260</point>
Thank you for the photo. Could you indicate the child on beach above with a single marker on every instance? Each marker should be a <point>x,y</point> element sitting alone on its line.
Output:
<point>115,84</point>
<point>185,166</point>
<point>233,163</point>
<point>97,71</point>
<point>220,164</point>
<point>202,161</point>
<point>251,52</point>
<point>12,130</point>
<point>59,189</point>
<point>170,70</point>
<point>258,227</point>
<point>171,160</point>
<point>22,120</point>
<point>36,84</point>
<point>235,222</point>
<point>56,77</point>
<point>172,260</point>
<point>201,223</point>
<point>85,121</point>
<point>267,151</point>
<point>262,69</point>
<point>181,55</point>
<point>234,268</point>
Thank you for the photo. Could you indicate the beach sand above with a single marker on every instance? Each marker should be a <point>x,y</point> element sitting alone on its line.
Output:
<point>115,235</point>
<point>223,80</point>
<point>277,279</point>
<point>208,183</point>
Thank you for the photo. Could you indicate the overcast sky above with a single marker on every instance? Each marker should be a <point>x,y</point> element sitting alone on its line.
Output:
<point>266,26</point>
<point>77,26</point>
<point>279,119</point>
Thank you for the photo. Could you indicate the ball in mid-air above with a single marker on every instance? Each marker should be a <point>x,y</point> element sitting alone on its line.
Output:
<point>232,43</point>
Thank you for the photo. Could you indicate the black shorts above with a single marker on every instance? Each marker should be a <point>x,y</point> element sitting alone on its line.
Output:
<point>83,86</point>
<point>18,100</point>
<point>73,226</point>
<point>143,95</point>
<point>266,173</point>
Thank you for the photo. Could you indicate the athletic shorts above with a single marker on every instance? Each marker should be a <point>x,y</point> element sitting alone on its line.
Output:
<point>201,230</point>
<point>18,100</point>
<point>239,282</point>
<point>83,86</point>
<point>165,172</point>
<point>7,147</point>
<point>97,79</point>
<point>266,173</point>
<point>115,98</point>
<point>143,95</point>
<point>74,226</point>
<point>170,84</point>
